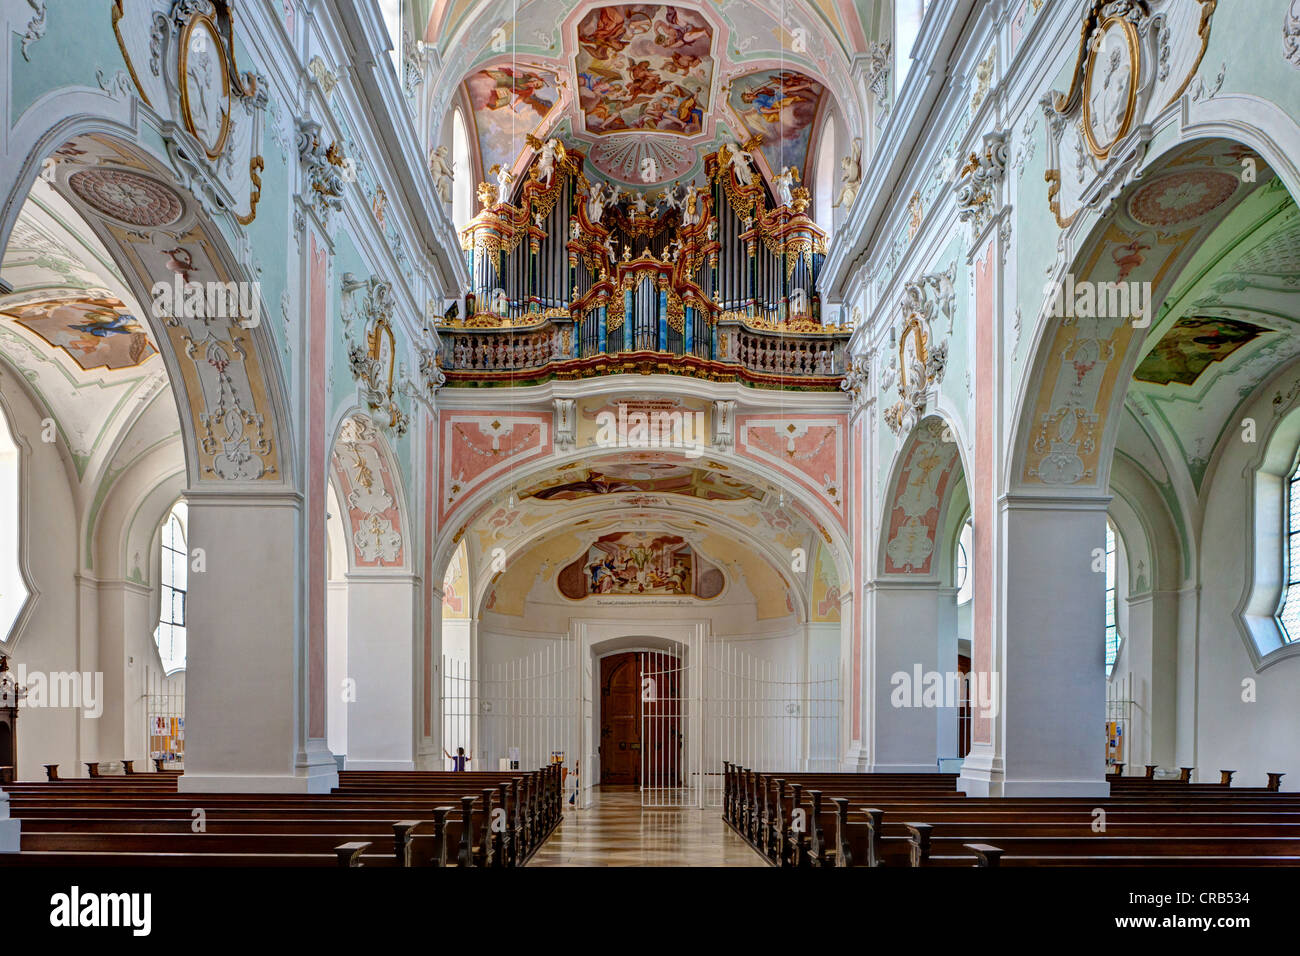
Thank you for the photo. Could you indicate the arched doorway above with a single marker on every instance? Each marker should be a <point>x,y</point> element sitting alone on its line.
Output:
<point>641,710</point>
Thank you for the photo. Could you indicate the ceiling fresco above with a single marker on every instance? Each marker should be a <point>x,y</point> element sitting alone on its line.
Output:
<point>647,477</point>
<point>1224,330</point>
<point>508,103</point>
<point>71,328</point>
<point>627,83</point>
<point>95,332</point>
<point>644,67</point>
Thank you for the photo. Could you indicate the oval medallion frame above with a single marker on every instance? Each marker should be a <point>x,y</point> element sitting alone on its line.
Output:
<point>197,21</point>
<point>1099,149</point>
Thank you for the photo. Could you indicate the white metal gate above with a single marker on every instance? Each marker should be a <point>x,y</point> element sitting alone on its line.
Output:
<point>759,713</point>
<point>517,714</point>
<point>703,702</point>
<point>669,766</point>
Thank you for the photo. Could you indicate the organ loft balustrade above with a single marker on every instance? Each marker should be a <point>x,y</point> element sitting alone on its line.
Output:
<point>573,277</point>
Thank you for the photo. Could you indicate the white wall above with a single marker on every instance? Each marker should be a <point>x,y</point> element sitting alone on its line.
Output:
<point>48,639</point>
<point>1221,731</point>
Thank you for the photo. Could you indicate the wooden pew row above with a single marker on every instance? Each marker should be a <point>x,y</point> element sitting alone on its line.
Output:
<point>763,817</point>
<point>875,837</point>
<point>527,809</point>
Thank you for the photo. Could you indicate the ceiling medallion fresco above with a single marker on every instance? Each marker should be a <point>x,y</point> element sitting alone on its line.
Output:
<point>128,198</point>
<point>97,333</point>
<point>1182,198</point>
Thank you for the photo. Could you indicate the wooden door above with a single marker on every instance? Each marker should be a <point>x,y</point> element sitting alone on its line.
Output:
<point>620,719</point>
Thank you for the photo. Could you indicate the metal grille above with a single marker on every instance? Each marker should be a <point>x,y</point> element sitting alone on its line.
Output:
<point>669,765</point>
<point>521,712</point>
<point>164,708</point>
<point>761,714</point>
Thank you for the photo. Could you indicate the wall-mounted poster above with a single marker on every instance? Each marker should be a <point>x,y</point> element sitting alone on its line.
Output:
<point>1114,742</point>
<point>640,563</point>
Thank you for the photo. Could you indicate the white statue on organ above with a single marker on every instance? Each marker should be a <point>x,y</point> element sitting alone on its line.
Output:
<point>691,206</point>
<point>784,184</point>
<point>640,205</point>
<point>504,178</point>
<point>596,201</point>
<point>740,159</point>
<point>552,150</point>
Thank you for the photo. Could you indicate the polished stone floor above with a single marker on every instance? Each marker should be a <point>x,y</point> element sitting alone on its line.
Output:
<point>616,831</point>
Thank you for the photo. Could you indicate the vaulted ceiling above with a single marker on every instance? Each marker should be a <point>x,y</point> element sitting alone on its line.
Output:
<point>72,330</point>
<point>631,83</point>
<point>1227,327</point>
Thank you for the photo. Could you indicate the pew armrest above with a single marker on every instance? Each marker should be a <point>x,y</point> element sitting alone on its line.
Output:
<point>918,842</point>
<point>985,854</point>
<point>402,841</point>
<point>349,854</point>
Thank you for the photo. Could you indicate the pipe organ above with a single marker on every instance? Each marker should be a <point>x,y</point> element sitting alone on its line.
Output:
<point>573,276</point>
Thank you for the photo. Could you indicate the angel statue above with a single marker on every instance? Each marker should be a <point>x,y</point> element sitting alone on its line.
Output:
<point>692,206</point>
<point>851,166</point>
<point>440,169</point>
<point>575,230</point>
<point>784,184</point>
<point>740,159</point>
<point>549,153</point>
<point>504,178</point>
<point>597,199</point>
<point>640,205</point>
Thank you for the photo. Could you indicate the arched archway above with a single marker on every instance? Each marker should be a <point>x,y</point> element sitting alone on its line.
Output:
<point>381,629</point>
<point>239,449</point>
<point>1113,303</point>
<point>914,693</point>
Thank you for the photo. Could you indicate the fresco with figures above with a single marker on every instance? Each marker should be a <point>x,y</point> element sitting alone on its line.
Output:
<point>639,563</point>
<point>644,66</point>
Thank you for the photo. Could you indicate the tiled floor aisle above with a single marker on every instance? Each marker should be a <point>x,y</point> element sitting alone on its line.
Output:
<point>616,831</point>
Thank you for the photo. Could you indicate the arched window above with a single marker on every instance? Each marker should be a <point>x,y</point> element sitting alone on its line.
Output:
<point>965,580</point>
<point>13,589</point>
<point>1289,613</point>
<point>908,15</point>
<point>462,192</point>
<point>1112,621</point>
<point>392,11</point>
<point>825,178</point>
<point>173,554</point>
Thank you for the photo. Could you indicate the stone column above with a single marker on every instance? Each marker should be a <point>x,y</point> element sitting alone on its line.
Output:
<point>247,676</point>
<point>905,687</point>
<point>383,657</point>
<point>1041,734</point>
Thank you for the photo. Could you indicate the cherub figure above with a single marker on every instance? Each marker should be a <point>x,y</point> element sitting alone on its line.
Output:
<point>851,166</point>
<point>441,170</point>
